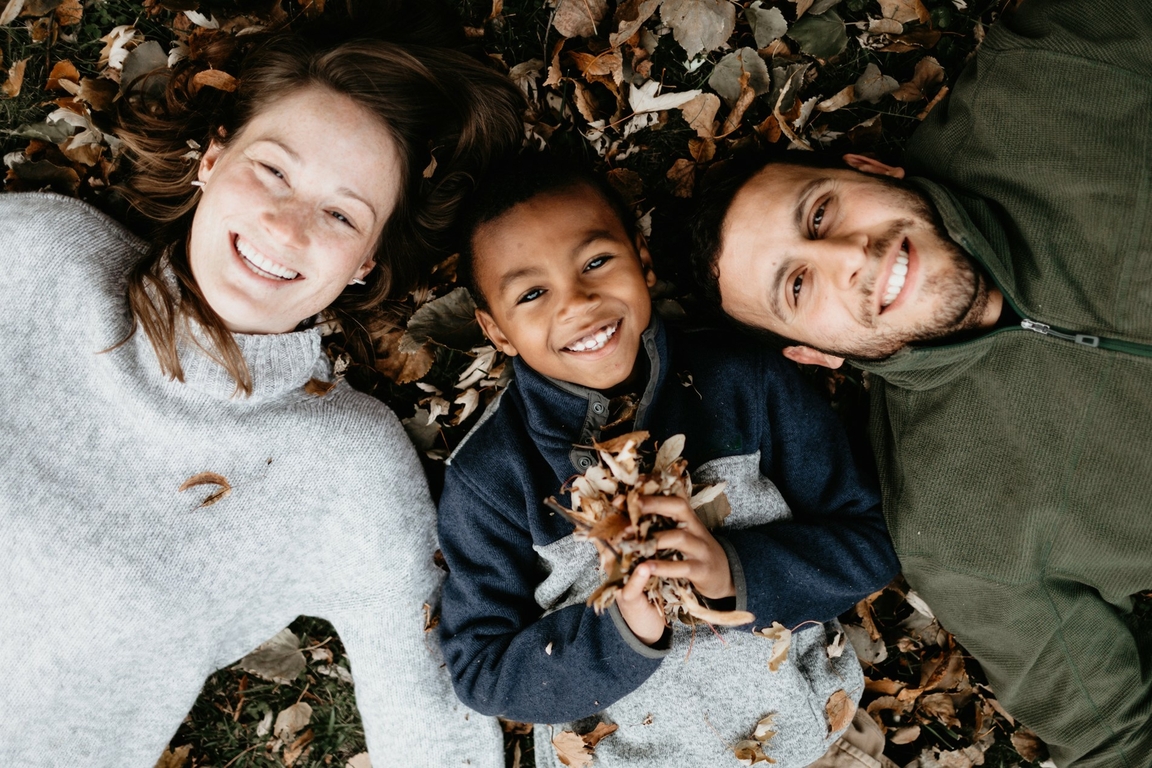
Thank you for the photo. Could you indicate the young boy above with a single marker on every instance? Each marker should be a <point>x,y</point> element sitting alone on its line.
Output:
<point>562,283</point>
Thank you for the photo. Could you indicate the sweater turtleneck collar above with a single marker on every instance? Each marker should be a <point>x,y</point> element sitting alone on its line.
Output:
<point>279,363</point>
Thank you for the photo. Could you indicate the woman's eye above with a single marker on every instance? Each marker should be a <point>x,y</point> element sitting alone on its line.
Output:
<point>274,171</point>
<point>817,218</point>
<point>340,218</point>
<point>796,285</point>
<point>597,262</point>
<point>531,295</point>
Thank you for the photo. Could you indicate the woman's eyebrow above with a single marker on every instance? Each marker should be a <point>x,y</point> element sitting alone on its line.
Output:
<point>802,199</point>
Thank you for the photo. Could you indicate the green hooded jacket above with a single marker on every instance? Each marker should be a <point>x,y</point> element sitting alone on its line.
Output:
<point>1017,467</point>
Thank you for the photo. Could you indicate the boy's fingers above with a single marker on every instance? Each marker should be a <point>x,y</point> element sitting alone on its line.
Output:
<point>672,507</point>
<point>683,542</point>
<point>635,586</point>
<point>672,569</point>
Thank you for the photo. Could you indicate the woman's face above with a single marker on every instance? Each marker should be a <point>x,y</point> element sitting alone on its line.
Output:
<point>292,209</point>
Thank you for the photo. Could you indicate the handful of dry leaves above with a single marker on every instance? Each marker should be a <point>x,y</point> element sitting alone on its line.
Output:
<point>606,511</point>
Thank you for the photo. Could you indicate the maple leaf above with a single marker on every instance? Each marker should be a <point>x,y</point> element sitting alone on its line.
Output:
<point>208,478</point>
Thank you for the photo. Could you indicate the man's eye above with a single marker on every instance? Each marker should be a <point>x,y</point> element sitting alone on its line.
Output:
<point>531,295</point>
<point>796,285</point>
<point>817,218</point>
<point>597,262</point>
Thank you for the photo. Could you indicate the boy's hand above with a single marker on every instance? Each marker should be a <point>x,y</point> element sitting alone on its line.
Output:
<point>644,619</point>
<point>705,564</point>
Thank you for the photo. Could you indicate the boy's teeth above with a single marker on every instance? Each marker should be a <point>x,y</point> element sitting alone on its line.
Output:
<point>896,279</point>
<point>262,264</point>
<point>594,341</point>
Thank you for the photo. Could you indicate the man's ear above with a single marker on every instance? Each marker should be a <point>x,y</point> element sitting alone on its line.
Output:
<point>645,260</point>
<point>872,165</point>
<point>809,356</point>
<point>208,160</point>
<point>494,334</point>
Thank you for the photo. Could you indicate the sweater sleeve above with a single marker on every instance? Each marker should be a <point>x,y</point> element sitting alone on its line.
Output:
<point>506,656</point>
<point>387,577</point>
<point>835,549</point>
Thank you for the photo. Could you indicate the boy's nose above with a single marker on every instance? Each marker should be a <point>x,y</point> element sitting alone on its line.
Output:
<point>578,300</point>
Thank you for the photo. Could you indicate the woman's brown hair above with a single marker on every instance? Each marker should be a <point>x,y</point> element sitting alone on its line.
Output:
<point>448,114</point>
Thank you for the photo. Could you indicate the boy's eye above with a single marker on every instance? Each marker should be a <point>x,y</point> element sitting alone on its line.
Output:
<point>597,262</point>
<point>531,295</point>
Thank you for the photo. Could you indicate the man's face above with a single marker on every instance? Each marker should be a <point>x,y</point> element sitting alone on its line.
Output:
<point>845,262</point>
<point>567,289</point>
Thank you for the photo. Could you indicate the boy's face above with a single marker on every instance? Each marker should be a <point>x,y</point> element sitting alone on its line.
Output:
<point>566,287</point>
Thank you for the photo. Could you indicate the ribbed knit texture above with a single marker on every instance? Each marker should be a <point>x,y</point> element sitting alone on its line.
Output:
<point>1017,468</point>
<point>119,594</point>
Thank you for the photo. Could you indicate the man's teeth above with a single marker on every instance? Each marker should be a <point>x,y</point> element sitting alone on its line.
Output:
<point>896,279</point>
<point>263,266</point>
<point>594,341</point>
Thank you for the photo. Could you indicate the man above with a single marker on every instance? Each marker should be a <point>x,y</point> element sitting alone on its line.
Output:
<point>1000,296</point>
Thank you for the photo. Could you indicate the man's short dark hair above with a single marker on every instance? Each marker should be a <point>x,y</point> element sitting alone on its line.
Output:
<point>517,179</point>
<point>706,227</point>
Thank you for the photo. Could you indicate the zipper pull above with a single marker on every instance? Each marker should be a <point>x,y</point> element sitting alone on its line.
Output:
<point>1082,339</point>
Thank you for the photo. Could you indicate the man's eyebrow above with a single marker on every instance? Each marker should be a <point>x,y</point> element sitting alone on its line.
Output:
<point>802,200</point>
<point>777,288</point>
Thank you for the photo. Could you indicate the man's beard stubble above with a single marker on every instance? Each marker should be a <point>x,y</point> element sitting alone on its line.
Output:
<point>963,291</point>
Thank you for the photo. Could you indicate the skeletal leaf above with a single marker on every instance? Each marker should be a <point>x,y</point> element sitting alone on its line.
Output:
<point>208,478</point>
<point>839,711</point>
<point>279,660</point>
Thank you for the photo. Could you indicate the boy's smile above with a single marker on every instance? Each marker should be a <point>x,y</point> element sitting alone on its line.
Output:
<point>567,289</point>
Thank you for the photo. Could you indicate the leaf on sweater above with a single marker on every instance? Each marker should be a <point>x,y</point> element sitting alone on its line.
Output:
<point>751,751</point>
<point>576,750</point>
<point>176,758</point>
<point>208,478</point>
<point>279,659</point>
<point>359,761</point>
<point>319,387</point>
<point>836,647</point>
<point>839,710</point>
<point>781,638</point>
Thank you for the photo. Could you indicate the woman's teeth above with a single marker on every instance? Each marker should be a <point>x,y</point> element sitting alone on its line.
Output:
<point>896,279</point>
<point>594,341</point>
<point>261,265</point>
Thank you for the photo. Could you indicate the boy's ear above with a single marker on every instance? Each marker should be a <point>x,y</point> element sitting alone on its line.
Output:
<point>871,165</point>
<point>494,334</point>
<point>645,260</point>
<point>809,356</point>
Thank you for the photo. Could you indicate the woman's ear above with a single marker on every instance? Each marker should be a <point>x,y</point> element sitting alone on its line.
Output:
<point>866,164</point>
<point>809,356</point>
<point>494,334</point>
<point>645,260</point>
<point>208,160</point>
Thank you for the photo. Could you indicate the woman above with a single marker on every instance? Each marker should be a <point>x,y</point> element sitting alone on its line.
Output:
<point>174,491</point>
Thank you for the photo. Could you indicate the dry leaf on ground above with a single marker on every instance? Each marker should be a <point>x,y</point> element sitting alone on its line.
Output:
<point>578,18</point>
<point>700,26</point>
<point>291,720</point>
<point>176,758</point>
<point>359,761</point>
<point>279,659</point>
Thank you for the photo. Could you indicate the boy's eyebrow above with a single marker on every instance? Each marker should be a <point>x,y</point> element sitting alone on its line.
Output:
<point>591,237</point>
<point>512,277</point>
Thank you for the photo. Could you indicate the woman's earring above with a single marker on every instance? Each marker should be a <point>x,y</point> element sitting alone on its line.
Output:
<point>197,183</point>
<point>357,281</point>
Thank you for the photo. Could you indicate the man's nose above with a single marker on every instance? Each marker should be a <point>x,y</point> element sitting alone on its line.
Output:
<point>287,220</point>
<point>843,259</point>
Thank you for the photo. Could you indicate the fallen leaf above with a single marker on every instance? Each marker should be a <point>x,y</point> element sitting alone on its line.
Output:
<point>843,98</point>
<point>399,366</point>
<point>69,13</point>
<point>767,24</point>
<point>839,711</point>
<point>938,706</point>
<point>631,15</point>
<point>868,650</point>
<point>644,98</point>
<point>904,11</point>
<point>682,174</point>
<point>65,71</point>
<point>298,747</point>
<point>177,758</point>
<point>822,36</point>
<point>578,18</point>
<point>279,659</point>
<point>699,25</point>
<point>449,320</point>
<point>359,761</point>
<point>215,78</point>
<point>292,720</point>
<point>572,750</point>
<point>1028,745</point>
<point>700,114</point>
<point>928,73</point>
<point>98,93</point>
<point>264,727</point>
<point>835,649</point>
<point>208,478</point>
<point>11,87</point>
<point>905,735</point>
<point>727,77</point>
<point>599,733</point>
<point>781,638</point>
<point>872,86</point>
<point>319,387</point>
<point>10,12</point>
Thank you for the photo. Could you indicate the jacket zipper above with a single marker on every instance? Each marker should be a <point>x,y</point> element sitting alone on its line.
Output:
<point>1086,340</point>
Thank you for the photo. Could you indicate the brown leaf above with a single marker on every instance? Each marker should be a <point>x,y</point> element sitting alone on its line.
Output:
<point>319,387</point>
<point>208,478</point>
<point>98,93</point>
<point>69,12</point>
<point>296,749</point>
<point>920,37</point>
<point>700,26</point>
<point>572,750</point>
<point>215,78</point>
<point>884,686</point>
<point>843,98</point>
<point>935,100</point>
<point>927,74</point>
<point>555,73</point>
<point>682,174</point>
<point>402,367</point>
<point>598,733</point>
<point>361,760</point>
<point>617,444</point>
<point>11,87</point>
<point>905,735</point>
<point>177,758</point>
<point>940,707</point>
<point>904,11</point>
<point>63,70</point>
<point>839,711</point>
<point>700,114</point>
<point>736,115</point>
<point>1028,745</point>
<point>578,18</point>
<point>515,728</point>
<point>781,638</point>
<point>585,102</point>
<point>291,720</point>
<point>631,15</point>
<point>628,183</point>
<point>607,68</point>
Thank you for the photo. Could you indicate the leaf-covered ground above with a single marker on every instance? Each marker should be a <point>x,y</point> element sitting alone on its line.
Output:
<point>653,93</point>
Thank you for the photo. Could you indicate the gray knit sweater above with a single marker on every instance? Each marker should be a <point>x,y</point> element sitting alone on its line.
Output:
<point>118,595</point>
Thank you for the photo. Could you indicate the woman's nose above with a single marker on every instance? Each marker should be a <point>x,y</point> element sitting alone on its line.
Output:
<point>287,222</point>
